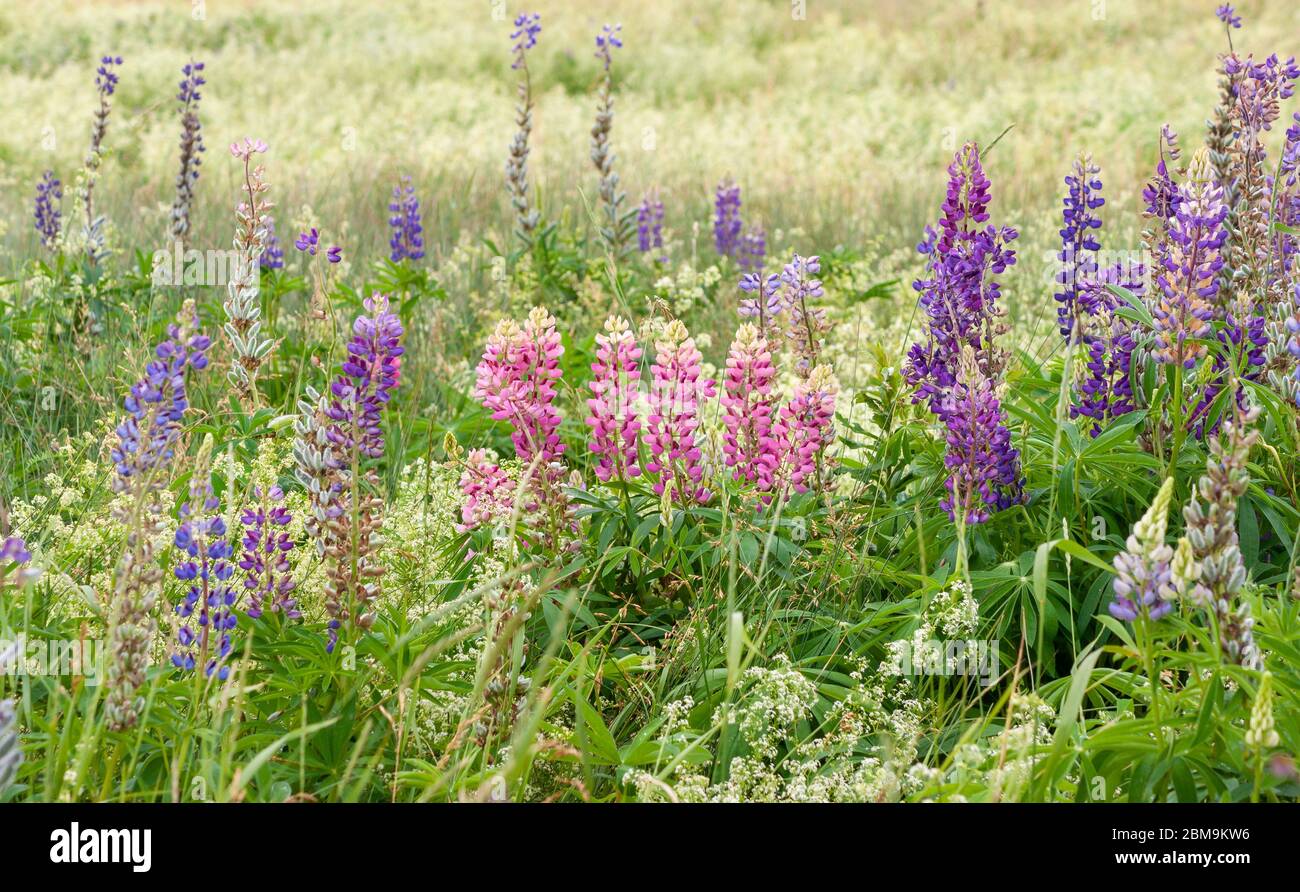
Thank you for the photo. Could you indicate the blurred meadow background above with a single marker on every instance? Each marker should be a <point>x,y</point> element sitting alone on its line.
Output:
<point>838,125</point>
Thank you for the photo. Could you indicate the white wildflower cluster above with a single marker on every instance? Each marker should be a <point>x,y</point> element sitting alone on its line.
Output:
<point>951,616</point>
<point>775,700</point>
<point>420,521</point>
<point>68,529</point>
<point>688,288</point>
<point>677,715</point>
<point>786,759</point>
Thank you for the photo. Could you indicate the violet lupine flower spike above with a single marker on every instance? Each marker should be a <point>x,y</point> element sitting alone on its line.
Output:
<point>617,229</point>
<point>191,148</point>
<point>766,304</point>
<point>264,559</point>
<point>339,436</point>
<point>984,470</point>
<point>1145,583</point>
<point>407,242</point>
<point>527,27</point>
<point>650,225</point>
<point>207,614</point>
<point>1106,391</point>
<point>959,294</point>
<point>1079,244</point>
<point>309,243</point>
<point>807,321</point>
<point>93,226</point>
<point>749,410</point>
<point>670,434</point>
<point>1226,14</point>
<point>615,427</point>
<point>273,256</point>
<point>243,305</point>
<point>957,368</point>
<point>727,223</point>
<point>1189,279</point>
<point>49,213</point>
<point>146,441</point>
<point>1161,198</point>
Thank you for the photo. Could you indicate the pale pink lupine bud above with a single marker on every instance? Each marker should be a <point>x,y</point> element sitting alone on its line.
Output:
<point>751,450</point>
<point>613,419</point>
<point>516,383</point>
<point>807,428</point>
<point>488,491</point>
<point>246,149</point>
<point>674,416</point>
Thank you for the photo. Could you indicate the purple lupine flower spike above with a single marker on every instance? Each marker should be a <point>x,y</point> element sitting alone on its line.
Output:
<point>191,147</point>
<point>155,405</point>
<point>370,373</point>
<point>207,612</point>
<point>49,215</point>
<point>1228,16</point>
<point>984,470</point>
<point>650,224</point>
<point>340,433</point>
<point>727,224</point>
<point>407,242</point>
<point>1110,340</point>
<point>807,322</point>
<point>145,443</point>
<point>1145,582</point>
<point>264,559</point>
<point>606,41</point>
<point>956,369</point>
<point>1189,280</point>
<point>95,225</point>
<point>1079,244</point>
<point>308,241</point>
<point>527,26</point>
<point>960,294</point>
<point>767,302</point>
<point>273,256</point>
